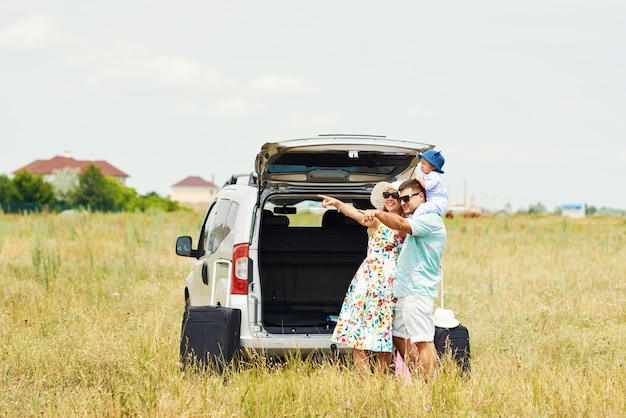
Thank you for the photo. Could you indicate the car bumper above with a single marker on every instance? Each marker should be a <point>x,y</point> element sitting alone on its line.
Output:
<point>282,344</point>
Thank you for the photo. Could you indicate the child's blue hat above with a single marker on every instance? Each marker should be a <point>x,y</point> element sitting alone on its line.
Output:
<point>433,157</point>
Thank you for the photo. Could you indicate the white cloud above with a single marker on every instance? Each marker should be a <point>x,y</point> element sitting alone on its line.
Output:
<point>30,33</point>
<point>128,50</point>
<point>118,55</point>
<point>236,107</point>
<point>157,71</point>
<point>130,66</point>
<point>214,80</point>
<point>280,85</point>
<point>419,111</point>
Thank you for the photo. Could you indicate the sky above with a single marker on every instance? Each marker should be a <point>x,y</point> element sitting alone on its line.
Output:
<point>526,100</point>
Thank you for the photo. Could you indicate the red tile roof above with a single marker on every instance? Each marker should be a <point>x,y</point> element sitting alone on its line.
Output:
<point>59,163</point>
<point>194,181</point>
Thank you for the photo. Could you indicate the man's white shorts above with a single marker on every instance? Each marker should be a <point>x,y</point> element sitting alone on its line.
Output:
<point>413,319</point>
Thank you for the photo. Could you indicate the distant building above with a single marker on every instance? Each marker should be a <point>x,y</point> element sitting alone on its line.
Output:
<point>573,210</point>
<point>194,189</point>
<point>464,205</point>
<point>49,168</point>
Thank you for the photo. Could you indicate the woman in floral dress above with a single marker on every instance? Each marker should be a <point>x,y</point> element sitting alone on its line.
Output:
<point>366,315</point>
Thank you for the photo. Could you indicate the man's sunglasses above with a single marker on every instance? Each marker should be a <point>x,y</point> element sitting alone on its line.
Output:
<point>408,197</point>
<point>387,195</point>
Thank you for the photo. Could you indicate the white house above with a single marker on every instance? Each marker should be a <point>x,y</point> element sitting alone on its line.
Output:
<point>573,210</point>
<point>193,189</point>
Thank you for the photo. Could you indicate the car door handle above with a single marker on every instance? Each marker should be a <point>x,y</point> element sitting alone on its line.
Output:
<point>205,274</point>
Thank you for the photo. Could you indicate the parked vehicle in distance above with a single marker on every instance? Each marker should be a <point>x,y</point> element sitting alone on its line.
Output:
<point>268,248</point>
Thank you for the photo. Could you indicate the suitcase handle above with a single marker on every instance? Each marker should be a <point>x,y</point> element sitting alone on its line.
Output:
<point>441,285</point>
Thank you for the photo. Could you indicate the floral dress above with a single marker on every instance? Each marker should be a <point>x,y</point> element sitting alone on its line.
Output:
<point>366,315</point>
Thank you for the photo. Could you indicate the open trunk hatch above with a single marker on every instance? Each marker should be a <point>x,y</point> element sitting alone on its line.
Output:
<point>340,160</point>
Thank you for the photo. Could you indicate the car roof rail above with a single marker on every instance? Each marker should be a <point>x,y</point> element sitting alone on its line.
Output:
<point>234,179</point>
<point>363,135</point>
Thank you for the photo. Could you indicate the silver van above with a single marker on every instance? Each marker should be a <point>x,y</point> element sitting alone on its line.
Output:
<point>269,249</point>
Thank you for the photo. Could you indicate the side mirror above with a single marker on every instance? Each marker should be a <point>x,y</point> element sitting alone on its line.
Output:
<point>183,246</point>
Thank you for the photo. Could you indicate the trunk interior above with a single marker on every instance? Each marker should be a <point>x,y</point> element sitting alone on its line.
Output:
<point>305,272</point>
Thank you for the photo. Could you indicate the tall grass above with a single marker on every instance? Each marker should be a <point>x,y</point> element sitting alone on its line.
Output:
<point>91,308</point>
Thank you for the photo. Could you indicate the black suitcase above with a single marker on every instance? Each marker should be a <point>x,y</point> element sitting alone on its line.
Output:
<point>210,335</point>
<point>453,342</point>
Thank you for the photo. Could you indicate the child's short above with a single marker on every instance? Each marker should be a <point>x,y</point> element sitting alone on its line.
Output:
<point>413,319</point>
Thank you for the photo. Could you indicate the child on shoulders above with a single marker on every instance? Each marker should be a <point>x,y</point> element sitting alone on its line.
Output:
<point>431,163</point>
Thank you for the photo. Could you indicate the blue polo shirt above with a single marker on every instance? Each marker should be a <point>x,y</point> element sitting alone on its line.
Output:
<point>417,269</point>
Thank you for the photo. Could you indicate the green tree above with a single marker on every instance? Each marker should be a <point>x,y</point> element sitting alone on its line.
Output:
<point>153,200</point>
<point>122,195</point>
<point>8,193</point>
<point>94,190</point>
<point>538,209</point>
<point>590,210</point>
<point>32,188</point>
<point>98,191</point>
<point>64,183</point>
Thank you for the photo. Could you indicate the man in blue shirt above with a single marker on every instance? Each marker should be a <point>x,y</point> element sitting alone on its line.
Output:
<point>417,277</point>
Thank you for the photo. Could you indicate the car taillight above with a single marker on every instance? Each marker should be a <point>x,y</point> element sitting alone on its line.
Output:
<point>239,282</point>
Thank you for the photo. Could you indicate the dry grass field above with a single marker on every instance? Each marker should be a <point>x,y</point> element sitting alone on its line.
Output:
<point>91,308</point>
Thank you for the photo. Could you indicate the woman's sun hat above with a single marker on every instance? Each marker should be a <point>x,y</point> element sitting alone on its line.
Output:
<point>396,185</point>
<point>433,157</point>
<point>444,318</point>
<point>377,199</point>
